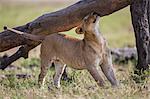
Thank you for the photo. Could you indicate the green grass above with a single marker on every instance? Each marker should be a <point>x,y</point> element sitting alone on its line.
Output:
<point>116,28</point>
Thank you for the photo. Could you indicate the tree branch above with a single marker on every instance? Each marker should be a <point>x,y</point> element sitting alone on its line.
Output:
<point>62,20</point>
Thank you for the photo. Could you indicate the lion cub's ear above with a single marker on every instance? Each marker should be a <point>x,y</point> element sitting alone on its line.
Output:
<point>79,30</point>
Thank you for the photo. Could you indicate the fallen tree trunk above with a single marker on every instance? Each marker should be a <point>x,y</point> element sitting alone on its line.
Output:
<point>54,22</point>
<point>59,21</point>
<point>18,76</point>
<point>123,55</point>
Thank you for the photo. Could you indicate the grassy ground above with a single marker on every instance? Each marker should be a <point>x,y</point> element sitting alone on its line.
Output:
<point>118,31</point>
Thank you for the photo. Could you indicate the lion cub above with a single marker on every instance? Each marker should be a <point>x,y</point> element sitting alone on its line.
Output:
<point>87,54</point>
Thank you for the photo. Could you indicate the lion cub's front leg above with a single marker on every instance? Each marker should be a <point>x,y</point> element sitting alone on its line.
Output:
<point>95,74</point>
<point>108,69</point>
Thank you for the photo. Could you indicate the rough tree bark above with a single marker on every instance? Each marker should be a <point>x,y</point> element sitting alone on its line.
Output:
<point>139,13</point>
<point>149,30</point>
<point>54,22</point>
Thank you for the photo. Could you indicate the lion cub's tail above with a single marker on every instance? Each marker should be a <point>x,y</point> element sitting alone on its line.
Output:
<point>26,35</point>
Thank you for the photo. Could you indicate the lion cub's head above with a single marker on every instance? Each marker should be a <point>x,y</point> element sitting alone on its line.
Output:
<point>89,23</point>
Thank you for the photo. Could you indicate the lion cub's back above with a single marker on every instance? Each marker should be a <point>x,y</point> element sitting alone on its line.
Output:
<point>60,39</point>
<point>59,43</point>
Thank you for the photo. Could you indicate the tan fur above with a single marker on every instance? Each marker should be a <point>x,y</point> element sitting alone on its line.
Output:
<point>88,53</point>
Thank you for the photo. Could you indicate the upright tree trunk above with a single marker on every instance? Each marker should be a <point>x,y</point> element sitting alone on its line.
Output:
<point>148,14</point>
<point>139,12</point>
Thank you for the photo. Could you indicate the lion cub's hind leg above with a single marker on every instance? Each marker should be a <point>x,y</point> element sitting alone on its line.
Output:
<point>92,69</point>
<point>59,69</point>
<point>45,63</point>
